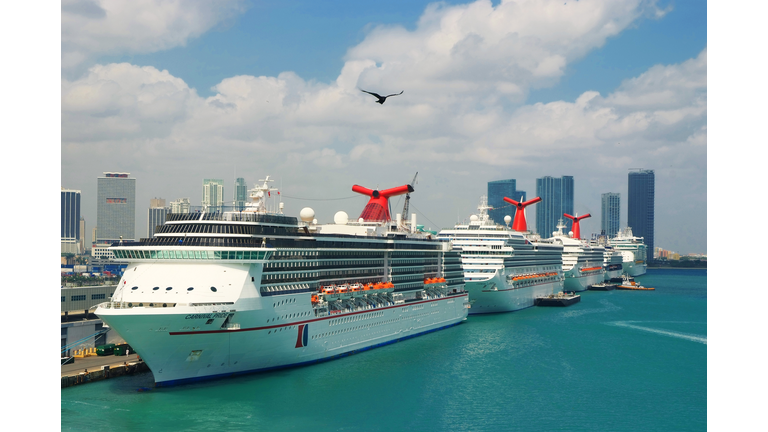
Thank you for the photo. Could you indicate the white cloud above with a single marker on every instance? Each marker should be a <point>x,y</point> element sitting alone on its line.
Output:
<point>459,69</point>
<point>95,27</point>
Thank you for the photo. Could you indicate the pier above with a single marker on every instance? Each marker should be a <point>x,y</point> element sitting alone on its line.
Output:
<point>97,368</point>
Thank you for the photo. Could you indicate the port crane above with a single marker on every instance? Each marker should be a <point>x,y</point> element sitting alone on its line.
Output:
<point>408,198</point>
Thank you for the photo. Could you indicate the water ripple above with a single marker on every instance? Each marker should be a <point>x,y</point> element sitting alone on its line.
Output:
<point>694,338</point>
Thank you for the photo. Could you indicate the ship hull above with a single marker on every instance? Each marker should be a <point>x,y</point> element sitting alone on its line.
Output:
<point>634,269</point>
<point>181,347</point>
<point>495,295</point>
<point>581,282</point>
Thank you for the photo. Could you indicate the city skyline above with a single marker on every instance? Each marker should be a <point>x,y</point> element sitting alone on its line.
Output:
<point>627,89</point>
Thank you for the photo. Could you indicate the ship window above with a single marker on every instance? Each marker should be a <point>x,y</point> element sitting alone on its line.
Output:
<point>190,288</point>
<point>213,289</point>
<point>178,254</point>
<point>135,288</point>
<point>169,288</point>
<point>155,288</point>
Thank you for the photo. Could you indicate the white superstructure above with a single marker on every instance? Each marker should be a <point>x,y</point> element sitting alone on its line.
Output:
<point>220,294</point>
<point>503,269</point>
<point>582,262</point>
<point>633,252</point>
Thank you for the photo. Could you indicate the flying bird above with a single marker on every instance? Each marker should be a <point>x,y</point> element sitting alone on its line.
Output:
<point>380,98</point>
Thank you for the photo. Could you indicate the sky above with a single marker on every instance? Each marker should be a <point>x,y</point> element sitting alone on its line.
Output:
<point>177,91</point>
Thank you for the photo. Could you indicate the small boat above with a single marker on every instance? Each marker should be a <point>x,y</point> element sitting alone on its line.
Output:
<point>603,286</point>
<point>630,284</point>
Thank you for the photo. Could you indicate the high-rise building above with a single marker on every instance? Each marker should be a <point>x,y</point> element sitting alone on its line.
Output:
<point>81,242</point>
<point>611,214</point>
<point>213,195</point>
<point>241,193</point>
<point>116,207</point>
<point>70,221</point>
<point>556,198</point>
<point>640,205</point>
<point>499,189</point>
<point>181,205</point>
<point>156,215</point>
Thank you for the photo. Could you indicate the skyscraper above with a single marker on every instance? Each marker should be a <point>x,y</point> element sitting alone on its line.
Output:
<point>611,214</point>
<point>115,207</point>
<point>556,198</point>
<point>241,193</point>
<point>156,215</point>
<point>499,189</point>
<point>640,205</point>
<point>181,205</point>
<point>70,221</point>
<point>213,195</point>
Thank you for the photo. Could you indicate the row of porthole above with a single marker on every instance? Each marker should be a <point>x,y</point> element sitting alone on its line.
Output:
<point>170,288</point>
<point>289,316</point>
<point>150,305</point>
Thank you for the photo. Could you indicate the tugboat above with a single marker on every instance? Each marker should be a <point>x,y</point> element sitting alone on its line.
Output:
<point>630,284</point>
<point>603,286</point>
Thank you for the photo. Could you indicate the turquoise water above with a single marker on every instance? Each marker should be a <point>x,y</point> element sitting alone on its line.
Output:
<point>618,361</point>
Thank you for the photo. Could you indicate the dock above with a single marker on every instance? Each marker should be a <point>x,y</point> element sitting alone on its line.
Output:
<point>97,368</point>
<point>560,299</point>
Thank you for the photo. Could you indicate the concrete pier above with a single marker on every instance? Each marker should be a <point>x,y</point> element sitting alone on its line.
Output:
<point>97,368</point>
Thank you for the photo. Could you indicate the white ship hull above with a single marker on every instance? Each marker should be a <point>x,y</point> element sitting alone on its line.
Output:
<point>576,282</point>
<point>613,275</point>
<point>634,269</point>
<point>182,347</point>
<point>495,295</point>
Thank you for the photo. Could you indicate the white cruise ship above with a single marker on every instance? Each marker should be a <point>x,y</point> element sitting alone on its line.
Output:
<point>612,260</point>
<point>504,270</point>
<point>582,262</point>
<point>633,251</point>
<point>220,294</point>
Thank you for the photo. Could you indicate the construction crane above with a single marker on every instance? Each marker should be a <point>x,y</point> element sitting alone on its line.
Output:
<point>408,197</point>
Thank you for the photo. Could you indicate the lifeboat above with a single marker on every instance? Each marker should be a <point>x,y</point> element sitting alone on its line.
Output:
<point>315,299</point>
<point>441,280</point>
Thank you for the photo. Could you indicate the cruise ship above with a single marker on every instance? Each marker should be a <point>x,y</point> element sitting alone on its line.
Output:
<point>504,269</point>
<point>582,262</point>
<point>225,293</point>
<point>612,260</point>
<point>633,251</point>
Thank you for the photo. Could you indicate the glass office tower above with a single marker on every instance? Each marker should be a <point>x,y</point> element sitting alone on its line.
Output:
<point>70,221</point>
<point>556,198</point>
<point>611,214</point>
<point>499,189</point>
<point>241,193</point>
<point>640,206</point>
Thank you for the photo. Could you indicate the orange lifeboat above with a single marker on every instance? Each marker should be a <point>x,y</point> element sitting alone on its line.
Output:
<point>441,280</point>
<point>389,285</point>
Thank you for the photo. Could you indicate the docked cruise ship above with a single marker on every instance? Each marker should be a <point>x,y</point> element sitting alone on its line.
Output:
<point>612,260</point>
<point>633,250</point>
<point>226,293</point>
<point>582,262</point>
<point>504,270</point>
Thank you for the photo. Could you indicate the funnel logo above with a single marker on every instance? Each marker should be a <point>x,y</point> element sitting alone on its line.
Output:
<point>302,339</point>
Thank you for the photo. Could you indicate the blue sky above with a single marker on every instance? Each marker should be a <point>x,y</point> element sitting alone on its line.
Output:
<point>518,89</point>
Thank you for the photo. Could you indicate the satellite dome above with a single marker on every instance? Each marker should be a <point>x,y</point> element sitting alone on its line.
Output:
<point>361,220</point>
<point>507,219</point>
<point>307,214</point>
<point>473,218</point>
<point>340,218</point>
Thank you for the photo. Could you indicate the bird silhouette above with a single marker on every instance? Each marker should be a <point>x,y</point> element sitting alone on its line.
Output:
<point>381,98</point>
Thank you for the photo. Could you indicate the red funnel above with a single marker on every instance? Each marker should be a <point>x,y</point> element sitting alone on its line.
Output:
<point>519,223</point>
<point>576,228</point>
<point>377,208</point>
